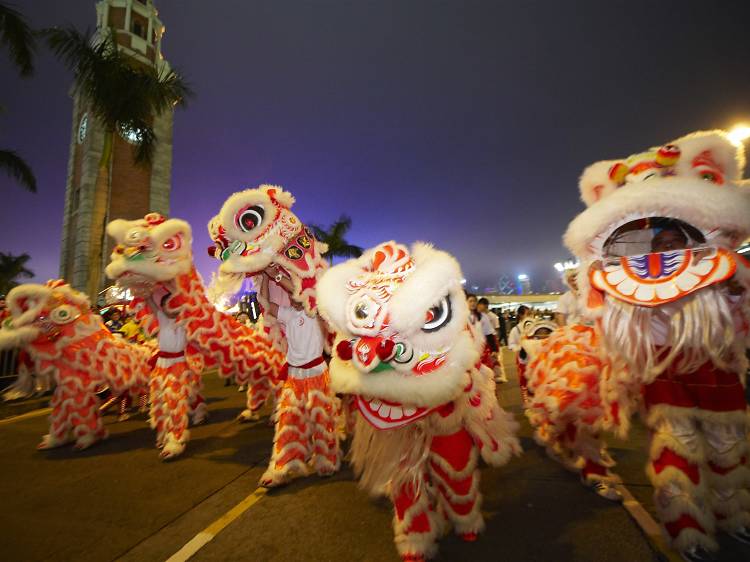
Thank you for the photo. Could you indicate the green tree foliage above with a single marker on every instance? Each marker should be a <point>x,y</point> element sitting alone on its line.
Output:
<point>13,268</point>
<point>335,237</point>
<point>18,38</point>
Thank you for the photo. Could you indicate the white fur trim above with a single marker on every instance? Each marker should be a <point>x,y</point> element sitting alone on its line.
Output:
<point>684,195</point>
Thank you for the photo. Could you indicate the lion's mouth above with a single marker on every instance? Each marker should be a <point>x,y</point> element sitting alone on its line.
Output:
<point>384,414</point>
<point>643,234</point>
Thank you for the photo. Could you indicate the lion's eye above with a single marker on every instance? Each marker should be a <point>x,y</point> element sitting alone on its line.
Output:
<point>250,218</point>
<point>63,314</point>
<point>712,176</point>
<point>438,316</point>
<point>172,244</point>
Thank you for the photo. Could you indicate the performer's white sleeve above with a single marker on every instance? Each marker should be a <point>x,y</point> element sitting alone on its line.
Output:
<point>514,339</point>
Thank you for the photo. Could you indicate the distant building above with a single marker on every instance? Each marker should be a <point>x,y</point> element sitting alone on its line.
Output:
<point>524,284</point>
<point>135,190</point>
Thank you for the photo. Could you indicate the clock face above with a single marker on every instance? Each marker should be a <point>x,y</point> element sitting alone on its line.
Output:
<point>83,128</point>
<point>131,134</point>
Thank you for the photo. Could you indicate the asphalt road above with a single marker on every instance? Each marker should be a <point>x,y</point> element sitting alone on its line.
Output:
<point>118,501</point>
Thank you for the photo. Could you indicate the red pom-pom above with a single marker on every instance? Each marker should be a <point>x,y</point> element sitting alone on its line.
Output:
<point>344,350</point>
<point>154,218</point>
<point>212,251</point>
<point>385,349</point>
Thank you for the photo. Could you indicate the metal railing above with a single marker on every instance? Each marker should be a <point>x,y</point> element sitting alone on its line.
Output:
<point>8,367</point>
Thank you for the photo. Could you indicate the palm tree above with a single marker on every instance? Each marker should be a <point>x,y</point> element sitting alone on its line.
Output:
<point>11,268</point>
<point>121,94</point>
<point>17,36</point>
<point>17,168</point>
<point>334,238</point>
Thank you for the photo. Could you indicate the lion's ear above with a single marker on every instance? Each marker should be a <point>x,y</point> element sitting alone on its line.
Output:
<point>278,194</point>
<point>596,183</point>
<point>710,155</point>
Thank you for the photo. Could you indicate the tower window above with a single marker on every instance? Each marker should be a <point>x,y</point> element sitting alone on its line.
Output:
<point>138,29</point>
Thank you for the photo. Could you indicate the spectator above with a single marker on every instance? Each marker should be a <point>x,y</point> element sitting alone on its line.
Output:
<point>131,331</point>
<point>502,329</point>
<point>489,331</point>
<point>115,322</point>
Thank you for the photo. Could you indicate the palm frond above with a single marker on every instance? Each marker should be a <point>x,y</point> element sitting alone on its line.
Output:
<point>74,49</point>
<point>318,231</point>
<point>11,268</point>
<point>350,251</point>
<point>341,227</point>
<point>16,34</point>
<point>164,90</point>
<point>17,168</point>
<point>146,145</point>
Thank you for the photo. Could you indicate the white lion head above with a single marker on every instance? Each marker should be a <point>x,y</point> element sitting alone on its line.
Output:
<point>403,346</point>
<point>149,250</point>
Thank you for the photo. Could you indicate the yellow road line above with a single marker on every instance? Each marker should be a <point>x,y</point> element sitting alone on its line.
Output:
<point>648,525</point>
<point>27,415</point>
<point>207,535</point>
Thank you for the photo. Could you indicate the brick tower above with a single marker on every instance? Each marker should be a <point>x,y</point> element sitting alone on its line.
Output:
<point>134,189</point>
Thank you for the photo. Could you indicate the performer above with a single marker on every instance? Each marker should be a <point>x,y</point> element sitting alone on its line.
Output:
<point>66,345</point>
<point>305,417</point>
<point>534,333</point>
<point>569,379</point>
<point>569,310</point>
<point>153,258</point>
<point>514,338</point>
<point>406,352</point>
<point>670,298</point>
<point>254,230</point>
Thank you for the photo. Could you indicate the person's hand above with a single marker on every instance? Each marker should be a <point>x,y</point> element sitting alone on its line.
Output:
<point>273,271</point>
<point>734,287</point>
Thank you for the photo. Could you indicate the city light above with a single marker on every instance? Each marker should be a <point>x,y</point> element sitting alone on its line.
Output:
<point>739,133</point>
<point>566,266</point>
<point>523,277</point>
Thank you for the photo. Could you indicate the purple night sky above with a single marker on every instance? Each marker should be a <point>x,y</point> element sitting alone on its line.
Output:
<point>461,123</point>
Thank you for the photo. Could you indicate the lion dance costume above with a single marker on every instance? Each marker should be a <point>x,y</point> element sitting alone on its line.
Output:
<point>153,258</point>
<point>669,298</point>
<point>427,409</point>
<point>67,344</point>
<point>254,229</point>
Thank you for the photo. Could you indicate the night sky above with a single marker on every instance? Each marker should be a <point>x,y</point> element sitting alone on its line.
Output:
<point>461,123</point>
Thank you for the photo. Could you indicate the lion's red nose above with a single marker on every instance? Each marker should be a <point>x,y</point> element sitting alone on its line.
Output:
<point>344,350</point>
<point>385,350</point>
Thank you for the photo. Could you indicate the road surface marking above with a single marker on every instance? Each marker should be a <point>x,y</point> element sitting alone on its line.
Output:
<point>648,525</point>
<point>27,415</point>
<point>207,535</point>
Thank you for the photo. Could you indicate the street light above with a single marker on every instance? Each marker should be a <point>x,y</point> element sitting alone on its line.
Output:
<point>739,133</point>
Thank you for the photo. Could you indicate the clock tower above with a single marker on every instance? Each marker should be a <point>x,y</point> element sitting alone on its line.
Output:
<point>134,190</point>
